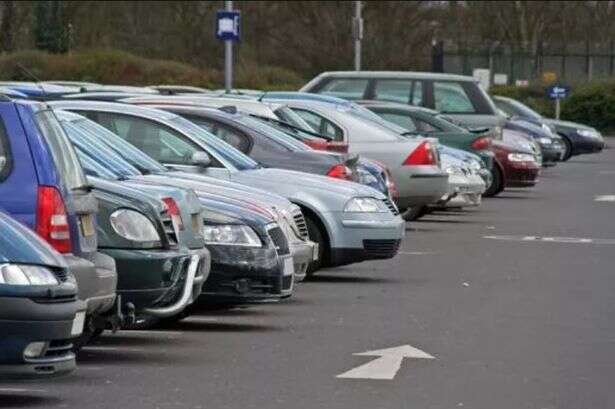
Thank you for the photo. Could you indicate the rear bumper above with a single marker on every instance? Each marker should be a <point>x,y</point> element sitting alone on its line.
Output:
<point>24,321</point>
<point>464,192</point>
<point>97,281</point>
<point>418,186</point>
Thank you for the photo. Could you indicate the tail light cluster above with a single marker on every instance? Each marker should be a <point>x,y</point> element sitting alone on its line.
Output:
<point>340,172</point>
<point>173,212</point>
<point>423,155</point>
<point>481,143</point>
<point>52,219</point>
<point>324,145</point>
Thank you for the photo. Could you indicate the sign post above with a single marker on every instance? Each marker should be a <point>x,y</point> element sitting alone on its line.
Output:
<point>357,34</point>
<point>227,30</point>
<point>557,93</point>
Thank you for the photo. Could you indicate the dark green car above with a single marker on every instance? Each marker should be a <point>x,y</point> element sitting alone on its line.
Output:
<point>430,123</point>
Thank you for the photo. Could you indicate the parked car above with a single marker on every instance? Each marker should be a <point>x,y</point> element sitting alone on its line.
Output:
<point>40,312</point>
<point>517,167</point>
<point>551,146</point>
<point>350,222</point>
<point>465,183</point>
<point>577,138</point>
<point>251,261</point>
<point>42,185</point>
<point>179,89</point>
<point>458,96</point>
<point>413,162</point>
<point>39,91</point>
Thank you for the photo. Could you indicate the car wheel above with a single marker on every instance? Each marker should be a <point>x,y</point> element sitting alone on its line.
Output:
<point>497,182</point>
<point>415,213</point>
<point>567,148</point>
<point>316,235</point>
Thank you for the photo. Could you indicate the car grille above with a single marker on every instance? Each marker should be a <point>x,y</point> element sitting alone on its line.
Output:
<point>58,348</point>
<point>61,275</point>
<point>169,229</point>
<point>381,248</point>
<point>287,283</point>
<point>391,206</point>
<point>301,224</point>
<point>279,240</point>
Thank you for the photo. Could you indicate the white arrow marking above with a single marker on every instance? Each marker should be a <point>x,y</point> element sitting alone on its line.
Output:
<point>605,198</point>
<point>387,365</point>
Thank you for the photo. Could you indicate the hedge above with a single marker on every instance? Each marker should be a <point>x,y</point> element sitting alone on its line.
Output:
<point>110,66</point>
<point>591,103</point>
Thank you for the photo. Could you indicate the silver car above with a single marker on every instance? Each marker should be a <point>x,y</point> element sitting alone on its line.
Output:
<point>350,222</point>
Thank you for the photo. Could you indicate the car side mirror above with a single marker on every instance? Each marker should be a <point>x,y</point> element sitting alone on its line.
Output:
<point>201,159</point>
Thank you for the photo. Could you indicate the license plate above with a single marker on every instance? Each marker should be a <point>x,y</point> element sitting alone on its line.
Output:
<point>87,225</point>
<point>315,255</point>
<point>289,267</point>
<point>78,323</point>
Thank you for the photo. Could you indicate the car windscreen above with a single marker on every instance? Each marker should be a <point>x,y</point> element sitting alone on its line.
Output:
<point>222,149</point>
<point>126,150</point>
<point>273,133</point>
<point>444,123</point>
<point>367,115</point>
<point>93,168</point>
<point>64,156</point>
<point>522,110</point>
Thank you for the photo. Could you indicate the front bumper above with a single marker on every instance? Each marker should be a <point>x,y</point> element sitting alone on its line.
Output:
<point>23,321</point>
<point>246,275</point>
<point>551,153</point>
<point>582,144</point>
<point>160,283</point>
<point>521,174</point>
<point>303,252</point>
<point>97,281</point>
<point>357,237</point>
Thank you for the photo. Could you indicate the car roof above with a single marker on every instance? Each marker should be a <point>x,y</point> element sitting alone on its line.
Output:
<point>396,105</point>
<point>397,74</point>
<point>113,107</point>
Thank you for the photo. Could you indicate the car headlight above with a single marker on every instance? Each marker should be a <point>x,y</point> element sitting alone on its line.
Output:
<point>364,205</point>
<point>18,274</point>
<point>454,170</point>
<point>547,129</point>
<point>231,235</point>
<point>521,157</point>
<point>589,133</point>
<point>545,141</point>
<point>133,226</point>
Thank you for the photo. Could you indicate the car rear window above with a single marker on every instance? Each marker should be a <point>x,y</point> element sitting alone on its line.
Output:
<point>393,90</point>
<point>64,156</point>
<point>5,154</point>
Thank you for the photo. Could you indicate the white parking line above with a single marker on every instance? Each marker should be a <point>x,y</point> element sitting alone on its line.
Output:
<point>561,240</point>
<point>200,319</point>
<point>21,390</point>
<point>92,348</point>
<point>146,332</point>
<point>605,198</point>
<point>417,253</point>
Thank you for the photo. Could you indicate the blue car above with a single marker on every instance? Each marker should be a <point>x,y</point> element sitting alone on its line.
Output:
<point>42,185</point>
<point>40,313</point>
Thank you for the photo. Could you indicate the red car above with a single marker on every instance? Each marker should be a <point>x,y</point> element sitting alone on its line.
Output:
<point>513,167</point>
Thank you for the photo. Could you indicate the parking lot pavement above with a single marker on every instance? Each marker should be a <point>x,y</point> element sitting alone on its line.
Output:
<point>513,301</point>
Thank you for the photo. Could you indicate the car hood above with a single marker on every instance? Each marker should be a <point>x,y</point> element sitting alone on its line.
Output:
<point>567,124</point>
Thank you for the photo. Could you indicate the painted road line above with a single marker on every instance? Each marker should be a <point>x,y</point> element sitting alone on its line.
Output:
<point>146,332</point>
<point>604,198</point>
<point>202,319</point>
<point>92,348</point>
<point>21,390</point>
<point>547,239</point>
<point>416,253</point>
<point>387,365</point>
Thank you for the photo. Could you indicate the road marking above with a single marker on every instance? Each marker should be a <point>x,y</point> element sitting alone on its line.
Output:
<point>387,365</point>
<point>605,198</point>
<point>147,332</point>
<point>565,240</point>
<point>89,348</point>
<point>417,253</point>
<point>21,390</point>
<point>202,319</point>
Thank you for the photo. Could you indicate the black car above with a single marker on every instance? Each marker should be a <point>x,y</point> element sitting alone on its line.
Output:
<point>265,144</point>
<point>577,138</point>
<point>40,314</point>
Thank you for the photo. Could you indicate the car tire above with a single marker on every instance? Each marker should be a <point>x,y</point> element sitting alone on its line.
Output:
<point>415,213</point>
<point>317,236</point>
<point>497,182</point>
<point>567,148</point>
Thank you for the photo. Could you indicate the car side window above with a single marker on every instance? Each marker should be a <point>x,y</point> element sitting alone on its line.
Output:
<point>451,97</point>
<point>5,154</point>
<point>426,127</point>
<point>160,142</point>
<point>404,121</point>
<point>321,125</point>
<point>265,146</point>
<point>393,90</point>
<point>417,94</point>
<point>228,135</point>
<point>347,88</point>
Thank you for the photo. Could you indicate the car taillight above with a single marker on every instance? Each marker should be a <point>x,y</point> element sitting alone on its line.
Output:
<point>422,155</point>
<point>318,145</point>
<point>340,172</point>
<point>481,143</point>
<point>52,219</point>
<point>341,147</point>
<point>173,212</point>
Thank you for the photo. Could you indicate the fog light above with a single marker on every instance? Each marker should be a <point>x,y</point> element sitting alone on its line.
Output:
<point>242,286</point>
<point>35,350</point>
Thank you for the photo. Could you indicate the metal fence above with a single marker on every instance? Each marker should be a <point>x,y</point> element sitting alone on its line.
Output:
<point>572,63</point>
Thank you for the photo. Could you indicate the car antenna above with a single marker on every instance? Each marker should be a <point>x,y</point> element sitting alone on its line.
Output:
<point>36,79</point>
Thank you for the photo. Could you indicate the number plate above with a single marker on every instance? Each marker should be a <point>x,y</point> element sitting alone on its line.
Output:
<point>78,323</point>
<point>289,266</point>
<point>87,225</point>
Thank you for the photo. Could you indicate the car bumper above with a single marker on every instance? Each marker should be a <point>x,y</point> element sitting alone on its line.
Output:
<point>245,275</point>
<point>24,321</point>
<point>587,145</point>
<point>303,252</point>
<point>551,153</point>
<point>97,281</point>
<point>160,283</point>
<point>521,174</point>
<point>418,186</point>
<point>465,191</point>
<point>365,236</point>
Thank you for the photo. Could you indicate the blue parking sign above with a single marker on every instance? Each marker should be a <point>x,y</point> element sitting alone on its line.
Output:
<point>558,91</point>
<point>227,25</point>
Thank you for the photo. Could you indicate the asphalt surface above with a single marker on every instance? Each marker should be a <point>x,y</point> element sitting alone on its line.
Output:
<point>524,319</point>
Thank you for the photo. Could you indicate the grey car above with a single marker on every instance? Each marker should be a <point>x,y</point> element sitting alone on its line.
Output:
<point>350,222</point>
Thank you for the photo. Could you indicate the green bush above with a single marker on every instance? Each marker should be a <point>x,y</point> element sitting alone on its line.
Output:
<point>109,66</point>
